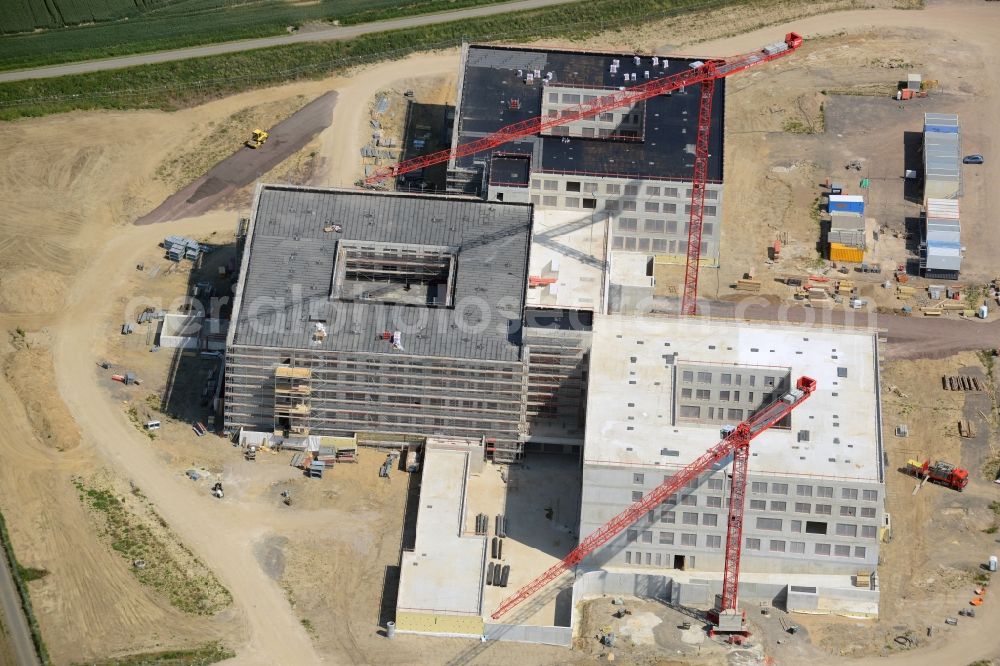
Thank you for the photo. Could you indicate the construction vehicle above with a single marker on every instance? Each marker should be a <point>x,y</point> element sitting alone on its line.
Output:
<point>251,452</point>
<point>699,73</point>
<point>257,139</point>
<point>906,94</point>
<point>726,617</point>
<point>940,472</point>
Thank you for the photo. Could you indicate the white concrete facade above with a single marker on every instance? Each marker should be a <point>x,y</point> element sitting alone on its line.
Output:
<point>648,216</point>
<point>815,503</point>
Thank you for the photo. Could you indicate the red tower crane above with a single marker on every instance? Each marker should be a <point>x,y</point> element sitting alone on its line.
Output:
<point>700,73</point>
<point>737,444</point>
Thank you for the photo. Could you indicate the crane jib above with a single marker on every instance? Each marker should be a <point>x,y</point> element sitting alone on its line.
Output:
<point>710,69</point>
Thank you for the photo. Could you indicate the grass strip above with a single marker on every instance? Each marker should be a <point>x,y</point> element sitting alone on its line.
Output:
<point>185,83</point>
<point>173,572</point>
<point>210,653</point>
<point>36,41</point>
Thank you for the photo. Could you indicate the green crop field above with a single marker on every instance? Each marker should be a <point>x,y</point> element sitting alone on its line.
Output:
<point>183,83</point>
<point>27,15</point>
<point>45,32</point>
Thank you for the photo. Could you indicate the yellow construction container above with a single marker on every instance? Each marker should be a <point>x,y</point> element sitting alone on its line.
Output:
<point>848,253</point>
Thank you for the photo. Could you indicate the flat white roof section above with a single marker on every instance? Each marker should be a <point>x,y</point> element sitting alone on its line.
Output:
<point>569,248</point>
<point>631,269</point>
<point>444,573</point>
<point>631,394</point>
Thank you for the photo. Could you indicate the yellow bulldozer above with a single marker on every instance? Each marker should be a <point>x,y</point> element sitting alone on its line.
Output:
<point>257,139</point>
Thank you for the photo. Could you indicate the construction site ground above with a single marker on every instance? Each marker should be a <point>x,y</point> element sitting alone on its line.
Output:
<point>540,500</point>
<point>307,580</point>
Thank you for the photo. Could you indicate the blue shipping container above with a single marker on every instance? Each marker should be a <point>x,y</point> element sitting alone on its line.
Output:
<point>856,207</point>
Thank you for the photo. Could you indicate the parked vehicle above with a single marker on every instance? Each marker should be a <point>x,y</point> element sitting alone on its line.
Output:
<point>972,159</point>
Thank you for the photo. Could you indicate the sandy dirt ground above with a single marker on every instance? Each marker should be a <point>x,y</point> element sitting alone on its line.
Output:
<point>61,281</point>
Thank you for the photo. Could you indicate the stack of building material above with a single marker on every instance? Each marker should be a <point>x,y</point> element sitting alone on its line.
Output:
<point>942,246</point>
<point>294,443</point>
<point>847,227</point>
<point>327,454</point>
<point>180,247</point>
<point>863,579</point>
<point>942,160</point>
<point>345,449</point>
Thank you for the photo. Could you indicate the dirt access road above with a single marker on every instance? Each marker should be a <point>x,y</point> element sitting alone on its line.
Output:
<point>907,337</point>
<point>218,532</point>
<point>247,164</point>
<point>328,34</point>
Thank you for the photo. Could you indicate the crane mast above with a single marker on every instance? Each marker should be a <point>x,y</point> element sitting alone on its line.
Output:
<point>704,74</point>
<point>737,444</point>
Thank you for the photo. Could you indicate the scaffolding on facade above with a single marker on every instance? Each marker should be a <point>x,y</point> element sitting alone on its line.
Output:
<point>292,400</point>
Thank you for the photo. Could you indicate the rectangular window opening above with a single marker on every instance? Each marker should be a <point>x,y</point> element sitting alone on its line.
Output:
<point>815,527</point>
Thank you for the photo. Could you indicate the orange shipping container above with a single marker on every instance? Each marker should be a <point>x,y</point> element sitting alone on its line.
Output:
<point>840,252</point>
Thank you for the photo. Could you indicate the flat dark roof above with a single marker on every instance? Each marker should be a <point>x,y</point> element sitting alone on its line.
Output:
<point>290,263</point>
<point>510,170</point>
<point>490,81</point>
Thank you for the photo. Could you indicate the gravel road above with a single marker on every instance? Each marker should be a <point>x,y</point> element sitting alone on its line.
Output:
<point>908,337</point>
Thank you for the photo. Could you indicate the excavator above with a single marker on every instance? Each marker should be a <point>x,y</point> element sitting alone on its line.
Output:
<point>257,139</point>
